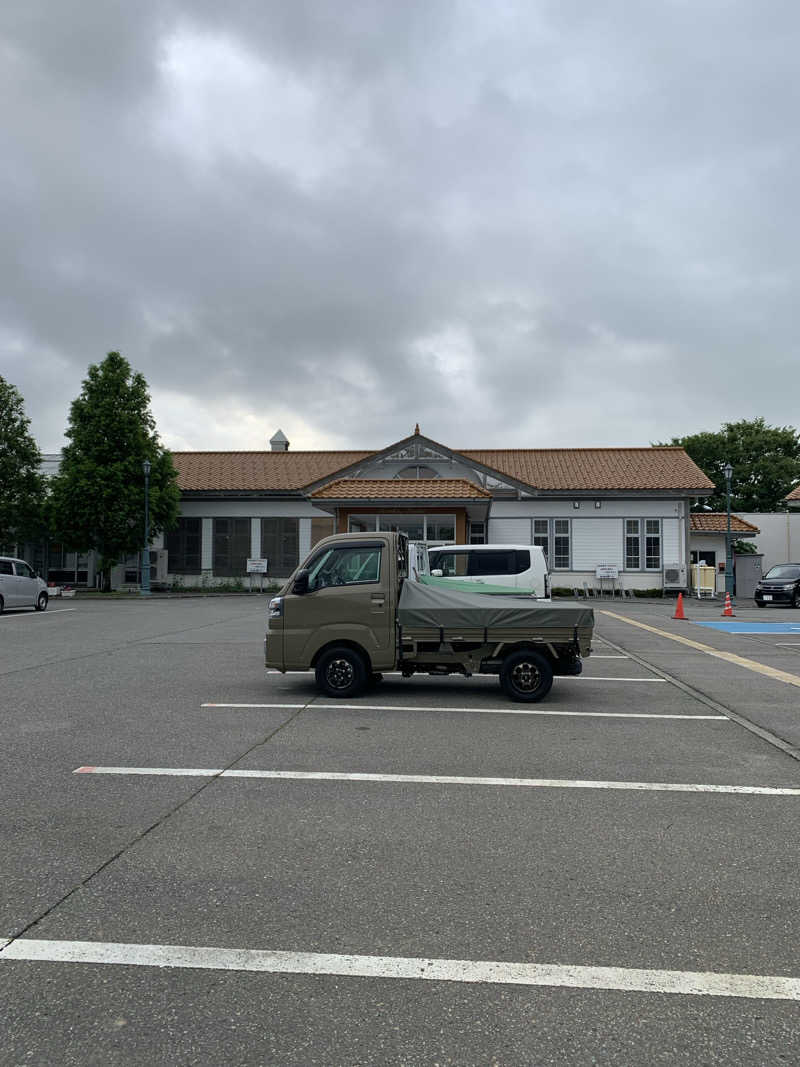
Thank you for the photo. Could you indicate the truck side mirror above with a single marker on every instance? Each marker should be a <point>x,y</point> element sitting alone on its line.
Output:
<point>300,584</point>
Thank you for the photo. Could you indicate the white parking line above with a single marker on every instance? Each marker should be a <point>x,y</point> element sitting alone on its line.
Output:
<point>444,779</point>
<point>595,656</point>
<point>485,972</point>
<point>481,711</point>
<point>35,614</point>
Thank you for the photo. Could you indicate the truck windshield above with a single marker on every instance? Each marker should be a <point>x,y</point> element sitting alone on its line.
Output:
<point>345,566</point>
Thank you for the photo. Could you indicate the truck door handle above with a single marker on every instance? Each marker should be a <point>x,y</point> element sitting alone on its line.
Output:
<point>378,601</point>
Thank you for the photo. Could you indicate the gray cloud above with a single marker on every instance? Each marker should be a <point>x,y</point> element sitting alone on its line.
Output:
<point>528,224</point>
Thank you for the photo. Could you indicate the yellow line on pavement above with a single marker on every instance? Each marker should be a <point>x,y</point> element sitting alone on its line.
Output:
<point>729,657</point>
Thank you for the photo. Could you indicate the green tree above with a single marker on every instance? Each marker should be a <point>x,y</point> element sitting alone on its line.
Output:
<point>97,497</point>
<point>765,461</point>
<point>22,487</point>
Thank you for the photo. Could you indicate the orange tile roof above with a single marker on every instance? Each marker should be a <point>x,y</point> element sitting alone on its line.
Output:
<point>717,522</point>
<point>255,471</point>
<point>555,469</point>
<point>659,467</point>
<point>794,495</point>
<point>401,489</point>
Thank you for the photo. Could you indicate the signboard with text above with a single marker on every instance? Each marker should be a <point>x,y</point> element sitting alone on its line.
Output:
<point>257,566</point>
<point>606,570</point>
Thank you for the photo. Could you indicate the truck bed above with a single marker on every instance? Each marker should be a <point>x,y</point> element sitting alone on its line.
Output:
<point>427,613</point>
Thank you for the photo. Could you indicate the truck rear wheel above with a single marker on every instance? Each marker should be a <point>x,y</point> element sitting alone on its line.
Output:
<point>341,672</point>
<point>526,676</point>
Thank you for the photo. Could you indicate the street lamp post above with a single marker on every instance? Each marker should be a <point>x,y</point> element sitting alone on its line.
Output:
<point>145,587</point>
<point>728,472</point>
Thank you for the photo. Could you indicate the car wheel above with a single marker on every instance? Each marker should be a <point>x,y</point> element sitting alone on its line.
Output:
<point>760,604</point>
<point>41,602</point>
<point>1,605</point>
<point>793,601</point>
<point>526,676</point>
<point>341,672</point>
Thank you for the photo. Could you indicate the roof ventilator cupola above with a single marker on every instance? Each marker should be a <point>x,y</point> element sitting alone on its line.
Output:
<point>279,442</point>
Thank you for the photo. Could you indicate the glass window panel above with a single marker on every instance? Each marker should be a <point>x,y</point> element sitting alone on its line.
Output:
<point>561,544</point>
<point>451,564</point>
<point>541,535</point>
<point>652,544</point>
<point>413,526</point>
<point>632,545</point>
<point>362,523</point>
<point>280,545</point>
<point>441,527</point>
<point>345,566</point>
<point>231,547</point>
<point>183,547</point>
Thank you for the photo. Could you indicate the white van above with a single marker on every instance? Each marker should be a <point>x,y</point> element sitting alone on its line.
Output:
<point>19,586</point>
<point>520,567</point>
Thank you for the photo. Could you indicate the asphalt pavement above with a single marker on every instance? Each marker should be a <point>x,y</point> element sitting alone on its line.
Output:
<point>205,862</point>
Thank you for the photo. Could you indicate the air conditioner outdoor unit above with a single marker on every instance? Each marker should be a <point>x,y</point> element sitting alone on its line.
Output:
<point>674,575</point>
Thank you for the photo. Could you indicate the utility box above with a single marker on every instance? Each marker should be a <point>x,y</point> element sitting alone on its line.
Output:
<point>747,569</point>
<point>703,580</point>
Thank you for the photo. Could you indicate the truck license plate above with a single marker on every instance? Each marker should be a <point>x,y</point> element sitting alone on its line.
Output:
<point>767,596</point>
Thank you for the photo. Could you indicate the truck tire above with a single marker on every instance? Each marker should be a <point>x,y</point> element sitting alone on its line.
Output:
<point>341,672</point>
<point>526,676</point>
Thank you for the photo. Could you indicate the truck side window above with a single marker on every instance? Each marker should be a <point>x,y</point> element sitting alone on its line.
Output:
<point>345,566</point>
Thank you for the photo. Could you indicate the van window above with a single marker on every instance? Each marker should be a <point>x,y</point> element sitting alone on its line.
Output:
<point>345,566</point>
<point>23,570</point>
<point>5,566</point>
<point>481,563</point>
<point>451,564</point>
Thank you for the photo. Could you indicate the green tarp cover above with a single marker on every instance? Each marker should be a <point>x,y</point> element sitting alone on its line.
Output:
<point>466,586</point>
<point>431,607</point>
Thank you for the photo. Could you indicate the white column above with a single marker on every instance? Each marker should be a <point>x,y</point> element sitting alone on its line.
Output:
<point>255,538</point>
<point>206,548</point>
<point>304,538</point>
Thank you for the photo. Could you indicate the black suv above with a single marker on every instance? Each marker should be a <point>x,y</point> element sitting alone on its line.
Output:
<point>780,585</point>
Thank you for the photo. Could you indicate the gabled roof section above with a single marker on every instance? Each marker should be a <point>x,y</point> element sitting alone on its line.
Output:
<point>717,522</point>
<point>257,471</point>
<point>794,495</point>
<point>401,489</point>
<point>658,467</point>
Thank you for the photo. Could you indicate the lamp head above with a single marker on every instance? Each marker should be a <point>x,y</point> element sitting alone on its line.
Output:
<point>727,470</point>
<point>146,468</point>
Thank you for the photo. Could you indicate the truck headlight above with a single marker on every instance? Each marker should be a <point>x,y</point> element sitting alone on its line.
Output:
<point>276,607</point>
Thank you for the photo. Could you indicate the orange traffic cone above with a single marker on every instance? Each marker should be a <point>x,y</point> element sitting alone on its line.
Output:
<point>679,608</point>
<point>728,612</point>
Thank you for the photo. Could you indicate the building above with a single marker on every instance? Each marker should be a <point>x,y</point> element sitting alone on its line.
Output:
<point>628,508</point>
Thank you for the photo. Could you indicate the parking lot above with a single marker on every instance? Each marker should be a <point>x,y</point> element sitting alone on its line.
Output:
<point>206,863</point>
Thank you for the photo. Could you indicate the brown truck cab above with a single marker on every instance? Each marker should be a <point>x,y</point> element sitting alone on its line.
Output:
<point>350,612</point>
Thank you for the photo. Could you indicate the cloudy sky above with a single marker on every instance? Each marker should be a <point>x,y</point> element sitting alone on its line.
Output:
<point>521,224</point>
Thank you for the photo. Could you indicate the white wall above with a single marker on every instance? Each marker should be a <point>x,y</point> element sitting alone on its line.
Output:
<point>563,509</point>
<point>779,539</point>
<point>246,509</point>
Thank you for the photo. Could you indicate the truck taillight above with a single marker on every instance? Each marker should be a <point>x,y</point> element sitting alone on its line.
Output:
<point>276,607</point>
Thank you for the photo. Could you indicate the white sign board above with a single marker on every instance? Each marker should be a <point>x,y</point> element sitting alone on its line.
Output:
<point>606,570</point>
<point>257,566</point>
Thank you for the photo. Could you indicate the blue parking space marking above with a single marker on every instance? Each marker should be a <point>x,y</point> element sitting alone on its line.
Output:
<point>753,627</point>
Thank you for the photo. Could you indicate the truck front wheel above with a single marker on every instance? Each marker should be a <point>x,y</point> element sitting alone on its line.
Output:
<point>526,676</point>
<point>341,672</point>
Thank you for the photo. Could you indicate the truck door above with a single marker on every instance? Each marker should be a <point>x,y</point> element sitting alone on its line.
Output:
<point>348,599</point>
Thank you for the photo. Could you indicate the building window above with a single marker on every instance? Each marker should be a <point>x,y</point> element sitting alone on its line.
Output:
<point>652,544</point>
<point>561,544</point>
<point>231,544</point>
<point>477,533</point>
<point>433,529</point>
<point>362,523</point>
<point>633,548</point>
<point>183,547</point>
<point>417,472</point>
<point>280,545</point>
<point>541,535</point>
<point>320,528</point>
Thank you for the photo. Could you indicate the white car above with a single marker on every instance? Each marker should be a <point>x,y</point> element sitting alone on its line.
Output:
<point>520,567</point>
<point>20,587</point>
